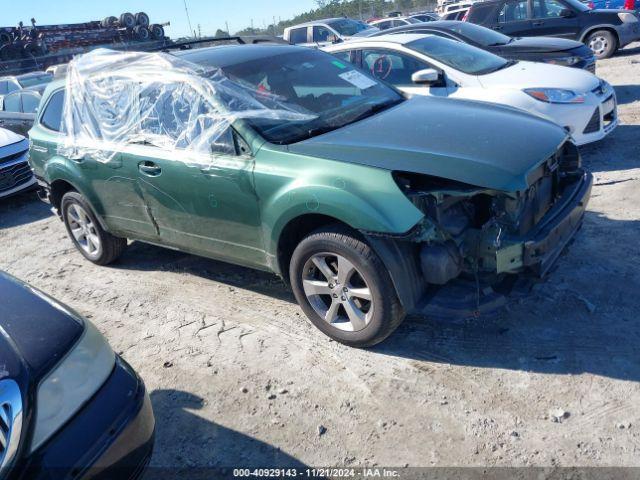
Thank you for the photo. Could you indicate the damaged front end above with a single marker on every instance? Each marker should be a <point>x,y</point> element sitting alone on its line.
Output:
<point>484,236</point>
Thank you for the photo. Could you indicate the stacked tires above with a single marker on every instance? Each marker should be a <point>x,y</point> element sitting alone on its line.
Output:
<point>19,45</point>
<point>138,26</point>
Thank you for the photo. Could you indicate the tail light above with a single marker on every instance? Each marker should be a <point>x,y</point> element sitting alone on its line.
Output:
<point>466,15</point>
<point>592,5</point>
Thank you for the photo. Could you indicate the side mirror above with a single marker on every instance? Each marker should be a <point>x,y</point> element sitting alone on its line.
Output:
<point>566,13</point>
<point>425,77</point>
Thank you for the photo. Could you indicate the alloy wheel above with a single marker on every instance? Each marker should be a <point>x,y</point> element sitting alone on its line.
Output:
<point>83,229</point>
<point>599,45</point>
<point>338,292</point>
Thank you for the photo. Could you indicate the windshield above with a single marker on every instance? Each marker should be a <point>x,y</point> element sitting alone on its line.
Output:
<point>347,27</point>
<point>479,35</point>
<point>458,55</point>
<point>32,80</point>
<point>334,93</point>
<point>578,5</point>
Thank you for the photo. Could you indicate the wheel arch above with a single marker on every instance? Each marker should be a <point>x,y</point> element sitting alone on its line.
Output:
<point>591,29</point>
<point>296,230</point>
<point>59,187</point>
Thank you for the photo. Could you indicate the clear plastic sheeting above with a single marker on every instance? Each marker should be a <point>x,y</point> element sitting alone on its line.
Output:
<point>115,100</point>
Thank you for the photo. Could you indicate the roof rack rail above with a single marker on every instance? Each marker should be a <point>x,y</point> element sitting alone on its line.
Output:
<point>241,40</point>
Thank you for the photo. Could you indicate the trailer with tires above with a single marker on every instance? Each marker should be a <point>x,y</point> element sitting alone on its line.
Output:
<point>36,47</point>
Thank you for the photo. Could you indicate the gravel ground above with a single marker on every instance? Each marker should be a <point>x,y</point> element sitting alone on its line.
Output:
<point>238,377</point>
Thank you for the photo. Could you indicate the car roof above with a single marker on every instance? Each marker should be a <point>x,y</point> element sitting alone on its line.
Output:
<point>323,20</point>
<point>226,55</point>
<point>445,25</point>
<point>399,38</point>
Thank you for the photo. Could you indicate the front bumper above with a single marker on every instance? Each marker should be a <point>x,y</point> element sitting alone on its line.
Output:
<point>628,32</point>
<point>15,176</point>
<point>111,437</point>
<point>542,247</point>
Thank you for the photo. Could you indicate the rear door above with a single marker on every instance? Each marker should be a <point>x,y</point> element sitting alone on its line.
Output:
<point>514,18</point>
<point>108,183</point>
<point>547,19</point>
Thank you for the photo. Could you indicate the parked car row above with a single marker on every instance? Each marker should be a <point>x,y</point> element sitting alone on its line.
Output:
<point>431,65</point>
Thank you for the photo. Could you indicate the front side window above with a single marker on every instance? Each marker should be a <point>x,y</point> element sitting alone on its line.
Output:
<point>322,34</point>
<point>513,12</point>
<point>392,67</point>
<point>460,56</point>
<point>298,35</point>
<point>30,102</point>
<point>11,103</point>
<point>52,115</point>
<point>547,8</point>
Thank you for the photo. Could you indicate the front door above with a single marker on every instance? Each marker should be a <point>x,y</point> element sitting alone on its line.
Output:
<point>200,202</point>
<point>514,19</point>
<point>548,19</point>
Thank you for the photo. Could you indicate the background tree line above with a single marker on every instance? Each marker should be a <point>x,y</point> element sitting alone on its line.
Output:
<point>358,9</point>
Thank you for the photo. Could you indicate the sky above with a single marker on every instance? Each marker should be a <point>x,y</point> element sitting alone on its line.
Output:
<point>209,14</point>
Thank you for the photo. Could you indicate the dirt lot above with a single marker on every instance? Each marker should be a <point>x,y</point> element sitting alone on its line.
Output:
<point>238,377</point>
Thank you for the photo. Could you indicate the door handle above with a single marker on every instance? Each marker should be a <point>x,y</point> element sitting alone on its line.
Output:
<point>149,169</point>
<point>498,27</point>
<point>538,23</point>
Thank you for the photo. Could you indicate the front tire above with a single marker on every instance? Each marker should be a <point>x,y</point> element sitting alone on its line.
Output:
<point>92,241</point>
<point>343,287</point>
<point>603,43</point>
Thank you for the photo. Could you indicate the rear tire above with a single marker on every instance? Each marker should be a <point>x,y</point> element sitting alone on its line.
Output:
<point>92,241</point>
<point>141,33</point>
<point>603,43</point>
<point>344,288</point>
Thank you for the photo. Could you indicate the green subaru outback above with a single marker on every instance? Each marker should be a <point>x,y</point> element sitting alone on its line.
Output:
<point>288,160</point>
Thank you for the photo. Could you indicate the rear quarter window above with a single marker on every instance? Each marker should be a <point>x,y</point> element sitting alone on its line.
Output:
<point>52,115</point>
<point>298,35</point>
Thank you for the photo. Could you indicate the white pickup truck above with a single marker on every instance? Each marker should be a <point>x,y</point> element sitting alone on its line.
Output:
<point>322,33</point>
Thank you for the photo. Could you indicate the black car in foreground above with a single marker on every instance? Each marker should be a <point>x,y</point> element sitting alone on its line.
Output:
<point>558,51</point>
<point>69,406</point>
<point>604,31</point>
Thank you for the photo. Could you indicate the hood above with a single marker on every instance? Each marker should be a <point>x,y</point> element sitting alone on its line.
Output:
<point>7,137</point>
<point>541,75</point>
<point>41,330</point>
<point>540,45</point>
<point>477,143</point>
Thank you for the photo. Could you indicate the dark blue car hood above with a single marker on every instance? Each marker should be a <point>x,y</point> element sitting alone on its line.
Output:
<point>35,329</point>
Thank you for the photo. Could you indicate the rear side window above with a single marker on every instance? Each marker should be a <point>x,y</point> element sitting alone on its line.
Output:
<point>52,115</point>
<point>11,103</point>
<point>298,35</point>
<point>30,102</point>
<point>3,87</point>
<point>513,12</point>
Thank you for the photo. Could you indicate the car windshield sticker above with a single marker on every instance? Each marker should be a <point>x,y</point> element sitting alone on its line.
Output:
<point>358,80</point>
<point>340,65</point>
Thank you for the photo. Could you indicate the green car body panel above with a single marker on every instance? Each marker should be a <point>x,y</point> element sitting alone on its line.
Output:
<point>239,208</point>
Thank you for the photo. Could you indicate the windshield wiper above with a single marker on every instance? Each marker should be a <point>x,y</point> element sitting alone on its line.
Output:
<point>373,110</point>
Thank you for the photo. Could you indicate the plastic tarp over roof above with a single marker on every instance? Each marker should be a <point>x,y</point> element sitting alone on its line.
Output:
<point>115,99</point>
